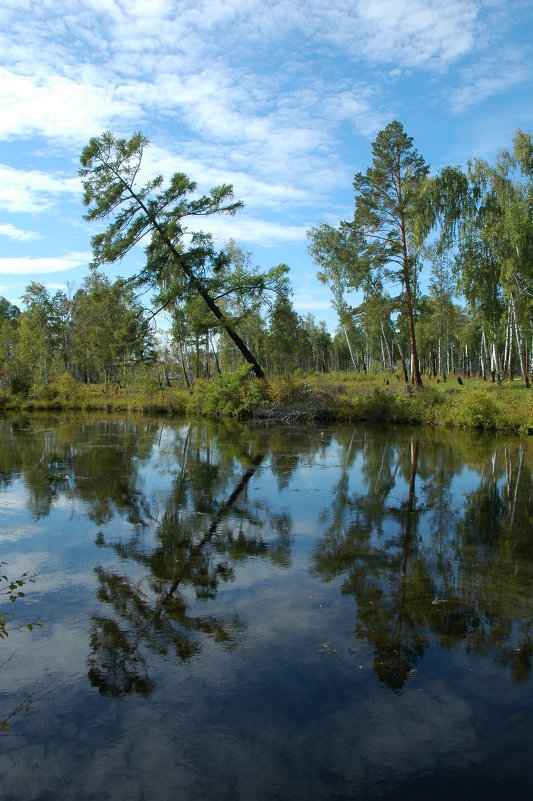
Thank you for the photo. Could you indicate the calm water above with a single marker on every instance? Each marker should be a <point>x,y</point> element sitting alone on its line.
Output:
<point>233,612</point>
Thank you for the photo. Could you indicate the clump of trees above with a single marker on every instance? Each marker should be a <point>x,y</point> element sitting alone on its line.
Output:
<point>471,230</point>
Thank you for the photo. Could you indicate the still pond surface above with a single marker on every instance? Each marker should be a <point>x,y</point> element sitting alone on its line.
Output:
<point>243,612</point>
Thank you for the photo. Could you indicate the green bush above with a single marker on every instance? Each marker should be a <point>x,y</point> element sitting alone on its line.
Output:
<point>68,390</point>
<point>379,406</point>
<point>222,396</point>
<point>43,392</point>
<point>21,383</point>
<point>283,389</point>
<point>476,409</point>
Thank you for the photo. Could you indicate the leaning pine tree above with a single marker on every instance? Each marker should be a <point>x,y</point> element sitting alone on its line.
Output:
<point>109,171</point>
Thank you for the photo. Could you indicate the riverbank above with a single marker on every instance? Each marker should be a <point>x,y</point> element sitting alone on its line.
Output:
<point>335,397</point>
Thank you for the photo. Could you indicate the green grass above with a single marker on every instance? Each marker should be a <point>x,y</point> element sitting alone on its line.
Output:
<point>345,397</point>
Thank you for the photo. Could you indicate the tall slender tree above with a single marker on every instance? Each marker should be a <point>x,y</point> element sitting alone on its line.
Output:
<point>381,246</point>
<point>390,215</point>
<point>109,171</point>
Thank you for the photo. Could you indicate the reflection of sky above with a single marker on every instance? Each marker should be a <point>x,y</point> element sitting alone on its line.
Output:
<point>295,712</point>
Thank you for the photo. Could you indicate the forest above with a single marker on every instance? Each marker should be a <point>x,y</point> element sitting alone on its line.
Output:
<point>431,278</point>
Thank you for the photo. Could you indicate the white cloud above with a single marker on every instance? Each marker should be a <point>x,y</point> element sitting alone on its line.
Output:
<point>414,33</point>
<point>13,232</point>
<point>32,190</point>
<point>250,230</point>
<point>59,108</point>
<point>487,78</point>
<point>44,265</point>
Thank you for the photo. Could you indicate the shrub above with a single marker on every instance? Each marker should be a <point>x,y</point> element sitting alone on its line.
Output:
<point>283,389</point>
<point>476,409</point>
<point>222,396</point>
<point>43,392</point>
<point>68,390</point>
<point>21,383</point>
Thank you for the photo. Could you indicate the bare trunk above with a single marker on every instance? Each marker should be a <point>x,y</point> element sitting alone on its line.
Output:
<point>519,343</point>
<point>347,342</point>
<point>215,354</point>
<point>207,363</point>
<point>389,357</point>
<point>184,366</point>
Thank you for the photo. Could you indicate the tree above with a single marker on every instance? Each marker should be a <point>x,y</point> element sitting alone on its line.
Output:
<point>382,244</point>
<point>331,252</point>
<point>389,217</point>
<point>39,340</point>
<point>109,171</point>
<point>9,317</point>
<point>109,329</point>
<point>283,336</point>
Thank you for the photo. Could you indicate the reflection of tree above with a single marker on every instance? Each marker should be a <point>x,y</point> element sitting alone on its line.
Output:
<point>494,549</point>
<point>462,576</point>
<point>92,459</point>
<point>290,447</point>
<point>386,578</point>
<point>192,556</point>
<point>175,560</point>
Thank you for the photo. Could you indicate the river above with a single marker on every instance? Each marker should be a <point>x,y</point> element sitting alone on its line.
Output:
<point>228,611</point>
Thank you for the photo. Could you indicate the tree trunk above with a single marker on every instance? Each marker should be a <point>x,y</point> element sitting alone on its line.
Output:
<point>197,284</point>
<point>347,342</point>
<point>207,363</point>
<point>409,307</point>
<point>215,354</point>
<point>519,343</point>
<point>184,366</point>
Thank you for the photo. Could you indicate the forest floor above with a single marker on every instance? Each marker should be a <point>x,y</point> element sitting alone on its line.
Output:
<point>457,402</point>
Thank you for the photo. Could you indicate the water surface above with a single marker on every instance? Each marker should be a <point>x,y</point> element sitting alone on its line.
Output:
<point>240,612</point>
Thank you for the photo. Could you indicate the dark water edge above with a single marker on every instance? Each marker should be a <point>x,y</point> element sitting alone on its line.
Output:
<point>254,612</point>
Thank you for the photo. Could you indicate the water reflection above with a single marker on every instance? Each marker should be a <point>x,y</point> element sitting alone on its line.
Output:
<point>425,568</point>
<point>253,591</point>
<point>418,564</point>
<point>188,553</point>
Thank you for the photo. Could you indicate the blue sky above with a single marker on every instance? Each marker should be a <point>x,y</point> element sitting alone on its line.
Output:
<point>281,98</point>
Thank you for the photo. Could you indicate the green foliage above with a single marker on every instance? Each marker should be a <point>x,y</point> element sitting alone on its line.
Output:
<point>109,169</point>
<point>226,396</point>
<point>41,391</point>
<point>284,389</point>
<point>476,409</point>
<point>12,590</point>
<point>21,383</point>
<point>68,391</point>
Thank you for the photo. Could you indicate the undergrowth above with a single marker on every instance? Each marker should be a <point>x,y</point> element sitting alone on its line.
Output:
<point>474,404</point>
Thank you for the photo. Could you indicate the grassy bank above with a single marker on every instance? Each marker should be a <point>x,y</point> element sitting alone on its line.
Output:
<point>346,397</point>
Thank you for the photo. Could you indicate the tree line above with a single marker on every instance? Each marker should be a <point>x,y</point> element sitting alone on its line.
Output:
<point>472,229</point>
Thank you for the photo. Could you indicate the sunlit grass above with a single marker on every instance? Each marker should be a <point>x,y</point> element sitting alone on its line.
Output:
<point>379,397</point>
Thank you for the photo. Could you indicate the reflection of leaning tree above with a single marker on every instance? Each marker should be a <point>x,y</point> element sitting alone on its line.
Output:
<point>471,583</point>
<point>197,548</point>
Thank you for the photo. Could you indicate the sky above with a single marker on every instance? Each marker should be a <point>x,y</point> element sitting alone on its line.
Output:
<point>280,98</point>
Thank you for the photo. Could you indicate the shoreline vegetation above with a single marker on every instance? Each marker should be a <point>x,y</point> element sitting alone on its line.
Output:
<point>343,397</point>
<point>232,344</point>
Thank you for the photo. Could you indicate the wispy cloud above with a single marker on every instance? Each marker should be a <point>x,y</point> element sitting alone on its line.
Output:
<point>491,76</point>
<point>32,191</point>
<point>12,232</point>
<point>250,230</point>
<point>43,266</point>
<point>57,107</point>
